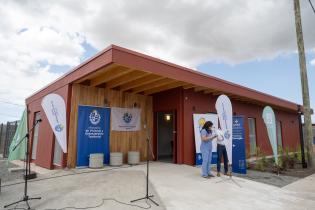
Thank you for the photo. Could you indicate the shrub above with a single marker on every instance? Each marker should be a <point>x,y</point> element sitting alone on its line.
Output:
<point>261,162</point>
<point>290,157</point>
<point>282,159</point>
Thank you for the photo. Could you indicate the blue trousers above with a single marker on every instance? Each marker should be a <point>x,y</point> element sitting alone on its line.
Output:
<point>206,152</point>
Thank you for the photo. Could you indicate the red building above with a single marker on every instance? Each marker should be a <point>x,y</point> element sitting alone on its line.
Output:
<point>118,77</point>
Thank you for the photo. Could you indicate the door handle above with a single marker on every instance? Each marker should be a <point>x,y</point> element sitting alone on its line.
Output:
<point>174,132</point>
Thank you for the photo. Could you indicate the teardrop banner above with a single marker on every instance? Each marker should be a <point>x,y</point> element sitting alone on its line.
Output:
<point>270,122</point>
<point>55,109</point>
<point>223,106</point>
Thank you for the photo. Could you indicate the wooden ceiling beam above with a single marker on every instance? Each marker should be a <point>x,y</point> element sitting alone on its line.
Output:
<point>216,93</point>
<point>208,91</point>
<point>197,89</point>
<point>86,82</point>
<point>172,85</point>
<point>98,72</point>
<point>110,75</point>
<point>155,84</point>
<point>126,78</point>
<point>139,82</point>
<point>188,86</point>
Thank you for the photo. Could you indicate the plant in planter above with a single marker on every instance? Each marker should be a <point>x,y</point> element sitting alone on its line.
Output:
<point>249,165</point>
<point>282,159</point>
<point>261,161</point>
<point>290,158</point>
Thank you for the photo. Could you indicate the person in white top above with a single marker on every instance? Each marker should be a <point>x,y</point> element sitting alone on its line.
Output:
<point>221,151</point>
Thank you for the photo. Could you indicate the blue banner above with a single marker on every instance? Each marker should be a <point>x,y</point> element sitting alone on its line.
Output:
<point>214,158</point>
<point>93,133</point>
<point>238,151</point>
<point>198,158</point>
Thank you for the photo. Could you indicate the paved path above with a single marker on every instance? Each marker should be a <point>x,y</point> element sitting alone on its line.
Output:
<point>175,187</point>
<point>84,190</point>
<point>180,187</point>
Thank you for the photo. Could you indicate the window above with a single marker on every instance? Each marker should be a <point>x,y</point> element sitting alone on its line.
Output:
<point>57,153</point>
<point>35,136</point>
<point>252,135</point>
<point>279,133</point>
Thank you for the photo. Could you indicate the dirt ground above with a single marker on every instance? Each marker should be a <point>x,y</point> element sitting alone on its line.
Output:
<point>5,175</point>
<point>284,178</point>
<point>299,172</point>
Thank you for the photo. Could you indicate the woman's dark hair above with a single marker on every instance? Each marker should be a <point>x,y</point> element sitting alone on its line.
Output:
<point>207,126</point>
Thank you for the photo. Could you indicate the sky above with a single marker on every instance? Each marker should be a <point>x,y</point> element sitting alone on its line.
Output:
<point>248,42</point>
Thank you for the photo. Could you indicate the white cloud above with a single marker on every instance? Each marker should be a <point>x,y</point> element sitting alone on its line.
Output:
<point>185,32</point>
<point>191,32</point>
<point>30,45</point>
<point>313,62</point>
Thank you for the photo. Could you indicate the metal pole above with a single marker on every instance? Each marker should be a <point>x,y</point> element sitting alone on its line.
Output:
<point>26,169</point>
<point>147,168</point>
<point>304,82</point>
<point>304,164</point>
<point>1,136</point>
<point>6,139</point>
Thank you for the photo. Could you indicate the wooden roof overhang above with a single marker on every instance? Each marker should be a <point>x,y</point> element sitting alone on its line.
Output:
<point>125,70</point>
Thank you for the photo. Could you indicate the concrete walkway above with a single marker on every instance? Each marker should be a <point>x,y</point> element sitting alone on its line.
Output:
<point>177,187</point>
<point>180,187</point>
<point>82,188</point>
<point>304,188</point>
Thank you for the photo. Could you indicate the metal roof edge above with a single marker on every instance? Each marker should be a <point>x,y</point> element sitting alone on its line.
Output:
<point>203,75</point>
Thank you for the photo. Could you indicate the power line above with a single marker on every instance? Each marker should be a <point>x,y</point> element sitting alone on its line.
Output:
<point>8,102</point>
<point>8,115</point>
<point>312,5</point>
<point>2,100</point>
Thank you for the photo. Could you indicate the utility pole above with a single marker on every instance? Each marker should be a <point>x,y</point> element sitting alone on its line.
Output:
<point>305,91</point>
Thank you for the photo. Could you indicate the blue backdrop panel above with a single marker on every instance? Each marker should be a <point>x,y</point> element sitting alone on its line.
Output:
<point>238,151</point>
<point>214,158</point>
<point>198,158</point>
<point>93,133</point>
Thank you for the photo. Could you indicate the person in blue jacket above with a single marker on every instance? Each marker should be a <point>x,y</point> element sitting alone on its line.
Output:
<point>207,135</point>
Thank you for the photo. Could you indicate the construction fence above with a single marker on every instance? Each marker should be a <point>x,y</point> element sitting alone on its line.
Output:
<point>7,132</point>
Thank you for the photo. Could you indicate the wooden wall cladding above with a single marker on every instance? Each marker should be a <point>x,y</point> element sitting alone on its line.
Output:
<point>119,141</point>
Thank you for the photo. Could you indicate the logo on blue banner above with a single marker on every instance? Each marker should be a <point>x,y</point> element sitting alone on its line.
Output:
<point>95,117</point>
<point>238,152</point>
<point>93,133</point>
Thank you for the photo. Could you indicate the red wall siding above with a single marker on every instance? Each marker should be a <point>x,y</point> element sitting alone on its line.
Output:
<point>197,102</point>
<point>290,129</point>
<point>194,103</point>
<point>170,101</point>
<point>185,103</point>
<point>45,136</point>
<point>45,146</point>
<point>253,111</point>
<point>290,126</point>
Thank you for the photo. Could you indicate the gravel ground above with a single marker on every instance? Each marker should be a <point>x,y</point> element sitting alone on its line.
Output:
<point>286,177</point>
<point>268,178</point>
<point>5,175</point>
